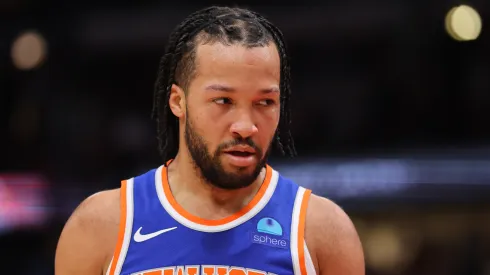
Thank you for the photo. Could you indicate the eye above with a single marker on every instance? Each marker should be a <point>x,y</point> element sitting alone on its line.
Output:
<point>222,101</point>
<point>266,102</point>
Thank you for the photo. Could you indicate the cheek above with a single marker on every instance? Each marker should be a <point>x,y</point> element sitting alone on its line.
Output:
<point>270,123</point>
<point>273,116</point>
<point>198,115</point>
<point>206,127</point>
<point>276,115</point>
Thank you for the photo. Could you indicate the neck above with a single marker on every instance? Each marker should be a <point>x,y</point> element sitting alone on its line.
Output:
<point>202,199</point>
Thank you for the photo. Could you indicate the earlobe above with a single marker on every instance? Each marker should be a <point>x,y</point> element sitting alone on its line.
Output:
<point>176,101</point>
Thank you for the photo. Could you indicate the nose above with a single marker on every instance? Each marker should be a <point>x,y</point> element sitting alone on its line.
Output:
<point>244,127</point>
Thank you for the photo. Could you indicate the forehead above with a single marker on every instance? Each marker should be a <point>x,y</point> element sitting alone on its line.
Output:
<point>229,62</point>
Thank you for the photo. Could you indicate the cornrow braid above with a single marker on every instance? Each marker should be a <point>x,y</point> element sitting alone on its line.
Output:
<point>228,26</point>
<point>285,141</point>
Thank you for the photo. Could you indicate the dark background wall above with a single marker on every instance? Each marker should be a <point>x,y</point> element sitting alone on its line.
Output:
<point>391,120</point>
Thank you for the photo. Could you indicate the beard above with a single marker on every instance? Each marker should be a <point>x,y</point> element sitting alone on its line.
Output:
<point>211,167</point>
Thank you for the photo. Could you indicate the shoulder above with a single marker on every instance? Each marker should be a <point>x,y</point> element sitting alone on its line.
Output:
<point>326,217</point>
<point>101,209</point>
<point>332,238</point>
<point>90,235</point>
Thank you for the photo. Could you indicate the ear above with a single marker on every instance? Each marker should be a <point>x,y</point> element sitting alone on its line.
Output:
<point>177,101</point>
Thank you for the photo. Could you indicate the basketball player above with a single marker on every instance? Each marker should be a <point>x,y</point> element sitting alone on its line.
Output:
<point>222,100</point>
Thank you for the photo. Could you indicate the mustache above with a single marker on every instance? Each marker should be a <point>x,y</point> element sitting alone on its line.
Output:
<point>235,142</point>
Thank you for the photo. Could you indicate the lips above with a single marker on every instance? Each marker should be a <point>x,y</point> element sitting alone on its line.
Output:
<point>241,151</point>
<point>241,156</point>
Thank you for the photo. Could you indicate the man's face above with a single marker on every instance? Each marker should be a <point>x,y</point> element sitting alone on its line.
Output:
<point>232,112</point>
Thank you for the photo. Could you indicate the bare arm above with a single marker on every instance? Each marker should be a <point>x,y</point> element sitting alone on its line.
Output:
<point>333,240</point>
<point>89,236</point>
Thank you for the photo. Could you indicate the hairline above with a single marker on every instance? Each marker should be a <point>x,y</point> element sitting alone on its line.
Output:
<point>203,38</point>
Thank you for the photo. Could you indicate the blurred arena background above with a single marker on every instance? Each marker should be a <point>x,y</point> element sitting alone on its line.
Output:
<point>391,119</point>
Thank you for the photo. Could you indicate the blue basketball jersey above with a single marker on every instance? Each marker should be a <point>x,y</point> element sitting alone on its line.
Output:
<point>157,236</point>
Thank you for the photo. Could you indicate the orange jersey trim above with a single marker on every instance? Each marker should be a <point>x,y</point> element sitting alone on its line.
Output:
<point>170,198</point>
<point>122,228</point>
<point>301,232</point>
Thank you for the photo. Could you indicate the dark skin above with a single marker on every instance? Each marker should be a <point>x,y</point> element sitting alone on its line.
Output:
<point>225,105</point>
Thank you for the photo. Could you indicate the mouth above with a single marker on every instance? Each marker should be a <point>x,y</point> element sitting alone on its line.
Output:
<point>240,153</point>
<point>241,156</point>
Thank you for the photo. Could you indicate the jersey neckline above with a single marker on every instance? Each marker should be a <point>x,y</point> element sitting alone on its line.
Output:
<point>258,202</point>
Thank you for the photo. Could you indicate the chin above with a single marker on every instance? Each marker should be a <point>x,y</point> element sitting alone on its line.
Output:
<point>232,177</point>
<point>234,181</point>
<point>240,163</point>
<point>240,170</point>
<point>244,171</point>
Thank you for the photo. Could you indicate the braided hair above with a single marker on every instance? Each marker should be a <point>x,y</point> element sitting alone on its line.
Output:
<point>177,66</point>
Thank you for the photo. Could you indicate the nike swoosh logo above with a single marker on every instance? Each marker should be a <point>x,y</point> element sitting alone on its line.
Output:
<point>138,237</point>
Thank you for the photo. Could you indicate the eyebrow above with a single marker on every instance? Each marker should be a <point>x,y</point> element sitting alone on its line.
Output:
<point>222,88</point>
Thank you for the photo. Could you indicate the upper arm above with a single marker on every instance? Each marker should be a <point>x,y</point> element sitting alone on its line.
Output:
<point>88,236</point>
<point>333,239</point>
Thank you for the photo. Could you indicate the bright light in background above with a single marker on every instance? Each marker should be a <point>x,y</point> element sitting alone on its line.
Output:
<point>463,23</point>
<point>28,50</point>
<point>390,247</point>
<point>384,248</point>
